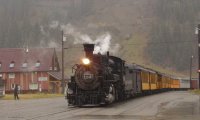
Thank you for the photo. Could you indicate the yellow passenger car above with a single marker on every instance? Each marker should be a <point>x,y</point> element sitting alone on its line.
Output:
<point>149,79</point>
<point>164,82</point>
<point>175,83</point>
<point>153,80</point>
<point>145,80</point>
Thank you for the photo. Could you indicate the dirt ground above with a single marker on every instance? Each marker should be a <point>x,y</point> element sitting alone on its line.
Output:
<point>178,105</point>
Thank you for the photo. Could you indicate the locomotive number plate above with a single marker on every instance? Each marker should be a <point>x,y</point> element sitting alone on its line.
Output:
<point>88,75</point>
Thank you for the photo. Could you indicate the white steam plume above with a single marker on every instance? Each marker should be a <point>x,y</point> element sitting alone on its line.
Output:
<point>54,24</point>
<point>102,42</point>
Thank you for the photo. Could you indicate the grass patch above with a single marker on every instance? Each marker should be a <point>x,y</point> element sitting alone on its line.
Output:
<point>196,91</point>
<point>32,96</point>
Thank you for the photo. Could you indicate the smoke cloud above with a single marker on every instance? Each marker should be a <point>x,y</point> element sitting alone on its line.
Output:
<point>54,24</point>
<point>102,42</point>
<point>47,35</point>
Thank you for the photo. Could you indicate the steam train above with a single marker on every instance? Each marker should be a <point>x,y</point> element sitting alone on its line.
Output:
<point>104,79</point>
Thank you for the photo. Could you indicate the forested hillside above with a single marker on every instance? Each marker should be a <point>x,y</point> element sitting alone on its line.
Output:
<point>148,32</point>
<point>175,26</point>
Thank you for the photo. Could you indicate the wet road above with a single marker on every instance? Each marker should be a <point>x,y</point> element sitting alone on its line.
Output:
<point>177,105</point>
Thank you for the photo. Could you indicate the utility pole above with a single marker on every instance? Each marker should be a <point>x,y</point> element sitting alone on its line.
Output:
<point>63,81</point>
<point>191,71</point>
<point>199,51</point>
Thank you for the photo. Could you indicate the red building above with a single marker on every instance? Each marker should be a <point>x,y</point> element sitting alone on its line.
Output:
<point>32,69</point>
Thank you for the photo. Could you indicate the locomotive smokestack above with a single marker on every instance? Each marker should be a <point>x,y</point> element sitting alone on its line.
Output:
<point>88,48</point>
<point>108,54</point>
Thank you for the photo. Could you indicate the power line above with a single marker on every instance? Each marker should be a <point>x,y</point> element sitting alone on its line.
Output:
<point>176,42</point>
<point>148,43</point>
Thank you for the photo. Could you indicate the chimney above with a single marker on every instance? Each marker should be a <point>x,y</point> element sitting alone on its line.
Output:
<point>88,48</point>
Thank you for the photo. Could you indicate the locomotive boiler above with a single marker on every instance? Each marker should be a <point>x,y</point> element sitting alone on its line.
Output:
<point>98,80</point>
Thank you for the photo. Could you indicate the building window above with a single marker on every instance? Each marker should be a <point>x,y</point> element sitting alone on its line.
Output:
<point>12,64</point>
<point>55,68</point>
<point>12,86</point>
<point>50,68</point>
<point>33,86</point>
<point>11,75</point>
<point>37,64</point>
<point>25,64</point>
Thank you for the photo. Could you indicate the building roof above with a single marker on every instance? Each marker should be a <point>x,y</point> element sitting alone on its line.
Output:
<point>58,75</point>
<point>139,67</point>
<point>19,56</point>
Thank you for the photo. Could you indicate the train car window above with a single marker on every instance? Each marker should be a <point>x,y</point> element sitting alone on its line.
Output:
<point>138,76</point>
<point>184,81</point>
<point>153,78</point>
<point>145,77</point>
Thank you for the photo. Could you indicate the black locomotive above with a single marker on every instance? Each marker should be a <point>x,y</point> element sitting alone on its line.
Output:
<point>98,80</point>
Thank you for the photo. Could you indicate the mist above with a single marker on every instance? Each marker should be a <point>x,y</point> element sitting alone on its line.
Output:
<point>124,27</point>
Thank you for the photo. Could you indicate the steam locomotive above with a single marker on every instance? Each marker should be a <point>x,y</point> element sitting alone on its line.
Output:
<point>104,79</point>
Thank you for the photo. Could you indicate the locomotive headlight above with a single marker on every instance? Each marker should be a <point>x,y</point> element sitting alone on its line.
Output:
<point>86,61</point>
